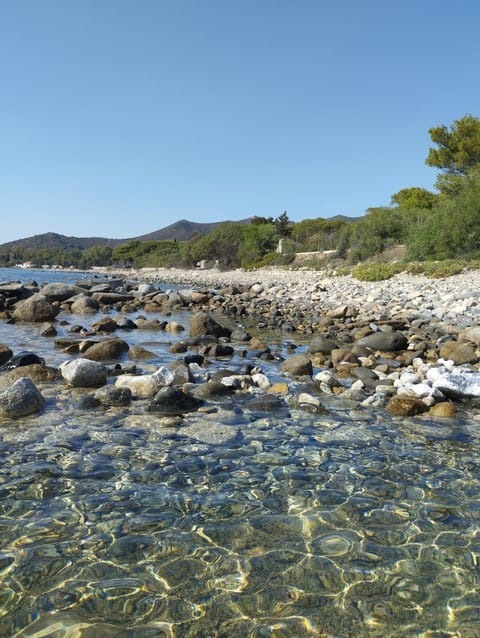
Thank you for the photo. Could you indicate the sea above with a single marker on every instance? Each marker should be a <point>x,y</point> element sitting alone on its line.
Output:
<point>228,523</point>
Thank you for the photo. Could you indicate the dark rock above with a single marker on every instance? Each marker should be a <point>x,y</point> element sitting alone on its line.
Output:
<point>212,390</point>
<point>5,354</point>
<point>172,400</point>
<point>23,358</point>
<point>110,395</point>
<point>48,330</point>
<point>385,341</point>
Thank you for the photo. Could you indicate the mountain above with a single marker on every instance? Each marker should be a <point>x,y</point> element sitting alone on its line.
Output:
<point>181,231</point>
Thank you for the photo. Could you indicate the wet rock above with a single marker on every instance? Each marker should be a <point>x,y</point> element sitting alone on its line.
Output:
<point>297,365</point>
<point>149,324</point>
<point>217,350</point>
<point>107,350</point>
<point>36,308</point>
<point>124,323</point>
<point>445,409</point>
<point>48,330</point>
<point>5,354</point>
<point>37,372</point>
<point>84,373</point>
<point>20,399</point>
<point>403,405</point>
<point>111,298</point>
<point>172,400</point>
<point>455,382</point>
<point>138,353</point>
<point>385,341</point>
<point>213,390</point>
<point>105,324</point>
<point>110,395</point>
<point>202,324</point>
<point>343,355</point>
<point>23,358</point>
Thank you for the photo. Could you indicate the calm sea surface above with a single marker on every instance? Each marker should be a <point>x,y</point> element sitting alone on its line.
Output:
<point>232,523</point>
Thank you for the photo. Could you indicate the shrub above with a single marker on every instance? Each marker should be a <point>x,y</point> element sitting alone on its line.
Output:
<point>376,271</point>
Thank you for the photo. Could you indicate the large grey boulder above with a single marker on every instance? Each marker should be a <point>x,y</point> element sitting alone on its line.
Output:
<point>36,308</point>
<point>61,292</point>
<point>20,399</point>
<point>84,373</point>
<point>385,341</point>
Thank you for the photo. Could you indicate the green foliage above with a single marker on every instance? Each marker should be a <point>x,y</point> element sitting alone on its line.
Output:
<point>379,229</point>
<point>452,229</point>
<point>221,245</point>
<point>376,271</point>
<point>437,269</point>
<point>257,241</point>
<point>414,197</point>
<point>318,234</point>
<point>457,152</point>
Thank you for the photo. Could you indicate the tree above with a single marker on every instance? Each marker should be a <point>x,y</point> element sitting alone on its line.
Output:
<point>414,197</point>
<point>457,154</point>
<point>283,225</point>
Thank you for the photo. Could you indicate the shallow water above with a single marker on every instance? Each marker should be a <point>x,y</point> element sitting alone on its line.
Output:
<point>230,523</point>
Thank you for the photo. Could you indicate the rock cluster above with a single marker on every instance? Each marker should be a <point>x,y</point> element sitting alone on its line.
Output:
<point>408,345</point>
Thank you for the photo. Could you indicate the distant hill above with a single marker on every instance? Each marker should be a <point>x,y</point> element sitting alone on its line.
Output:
<point>181,231</point>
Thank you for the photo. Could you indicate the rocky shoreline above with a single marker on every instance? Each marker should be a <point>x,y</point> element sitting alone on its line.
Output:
<point>410,345</point>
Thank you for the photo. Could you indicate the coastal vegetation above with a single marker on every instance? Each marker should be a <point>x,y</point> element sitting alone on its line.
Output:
<point>429,226</point>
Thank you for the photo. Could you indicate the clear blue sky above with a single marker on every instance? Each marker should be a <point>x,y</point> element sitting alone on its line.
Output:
<point>120,117</point>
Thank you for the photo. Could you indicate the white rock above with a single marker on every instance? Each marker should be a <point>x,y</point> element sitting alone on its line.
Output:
<point>261,380</point>
<point>84,373</point>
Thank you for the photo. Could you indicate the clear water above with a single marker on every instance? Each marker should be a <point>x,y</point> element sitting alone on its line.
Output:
<point>228,523</point>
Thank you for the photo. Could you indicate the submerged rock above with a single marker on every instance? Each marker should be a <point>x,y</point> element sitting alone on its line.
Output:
<point>23,358</point>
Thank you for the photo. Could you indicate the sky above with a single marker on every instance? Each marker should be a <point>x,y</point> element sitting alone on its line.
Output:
<point>121,117</point>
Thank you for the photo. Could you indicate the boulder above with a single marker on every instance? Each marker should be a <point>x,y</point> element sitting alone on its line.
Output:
<point>297,365</point>
<point>60,291</point>
<point>84,373</point>
<point>20,399</point>
<point>385,341</point>
<point>107,350</point>
<point>172,401</point>
<point>321,344</point>
<point>37,372</point>
<point>84,305</point>
<point>37,308</point>
<point>202,324</point>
